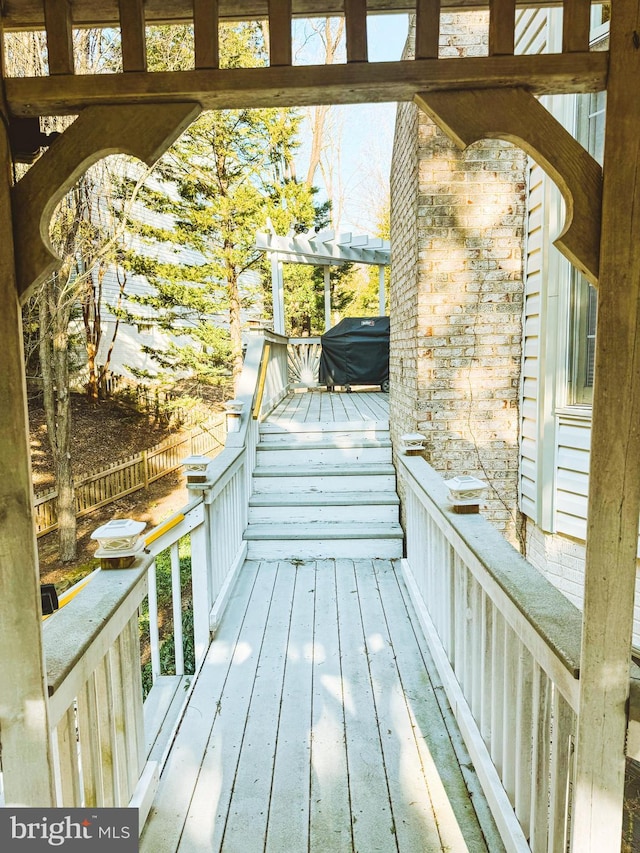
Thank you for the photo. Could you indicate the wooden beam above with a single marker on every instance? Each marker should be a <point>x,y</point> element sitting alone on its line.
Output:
<point>355,25</point>
<point>427,29</point>
<point>59,29</point>
<point>241,88</point>
<point>576,25</point>
<point>27,14</point>
<point>516,116</point>
<point>144,132</point>
<point>502,24</point>
<point>26,747</point>
<point>206,33</point>
<point>614,473</point>
<point>132,35</point>
<point>280,32</point>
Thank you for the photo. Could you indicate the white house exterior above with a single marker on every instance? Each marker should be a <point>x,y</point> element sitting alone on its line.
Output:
<point>557,361</point>
<point>502,394</point>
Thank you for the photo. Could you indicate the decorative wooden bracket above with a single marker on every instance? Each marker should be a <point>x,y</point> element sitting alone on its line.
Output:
<point>516,116</point>
<point>144,132</point>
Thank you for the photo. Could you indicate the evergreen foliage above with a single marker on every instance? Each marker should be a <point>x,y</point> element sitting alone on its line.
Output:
<point>194,241</point>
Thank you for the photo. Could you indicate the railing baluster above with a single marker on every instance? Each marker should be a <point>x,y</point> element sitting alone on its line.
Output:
<point>206,34</point>
<point>89,749</point>
<point>461,619</point>
<point>279,32</point>
<point>133,710</point>
<point>561,771</point>
<point>474,646</point>
<point>68,759</point>
<point>104,726</point>
<point>132,34</point>
<point>523,735</point>
<point>497,689</point>
<point>502,23</point>
<point>355,13</point>
<point>576,23</point>
<point>427,29</point>
<point>176,598</point>
<point>154,635</point>
<point>487,671</point>
<point>57,17</point>
<point>117,702</point>
<point>541,725</point>
<point>510,718</point>
<point>201,592</point>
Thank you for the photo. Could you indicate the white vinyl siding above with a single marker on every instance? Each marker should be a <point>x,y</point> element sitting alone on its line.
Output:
<point>534,264</point>
<point>574,438</point>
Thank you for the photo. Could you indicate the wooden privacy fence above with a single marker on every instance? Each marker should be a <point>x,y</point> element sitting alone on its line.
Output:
<point>131,474</point>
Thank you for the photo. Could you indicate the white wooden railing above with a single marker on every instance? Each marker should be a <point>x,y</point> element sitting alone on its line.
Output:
<point>304,362</point>
<point>109,743</point>
<point>507,646</point>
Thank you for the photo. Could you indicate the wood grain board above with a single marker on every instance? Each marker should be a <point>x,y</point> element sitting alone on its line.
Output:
<point>315,725</point>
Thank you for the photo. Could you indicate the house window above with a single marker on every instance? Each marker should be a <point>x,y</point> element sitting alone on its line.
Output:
<point>590,122</point>
<point>582,341</point>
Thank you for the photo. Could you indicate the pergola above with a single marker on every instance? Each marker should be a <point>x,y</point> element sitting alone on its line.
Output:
<point>325,249</point>
<point>141,113</point>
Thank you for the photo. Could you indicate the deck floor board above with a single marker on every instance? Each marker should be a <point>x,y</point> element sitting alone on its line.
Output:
<point>314,726</point>
<point>331,407</point>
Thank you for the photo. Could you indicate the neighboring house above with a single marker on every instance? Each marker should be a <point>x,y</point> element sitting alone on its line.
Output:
<point>129,346</point>
<point>496,365</point>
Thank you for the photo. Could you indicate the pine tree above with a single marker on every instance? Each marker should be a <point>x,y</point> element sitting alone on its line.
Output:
<point>228,173</point>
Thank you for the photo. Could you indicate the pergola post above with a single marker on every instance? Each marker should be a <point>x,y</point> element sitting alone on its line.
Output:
<point>327,298</point>
<point>24,729</point>
<point>382,302</point>
<point>614,478</point>
<point>277,291</point>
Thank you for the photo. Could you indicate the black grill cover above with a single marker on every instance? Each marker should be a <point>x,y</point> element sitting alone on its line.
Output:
<point>356,352</point>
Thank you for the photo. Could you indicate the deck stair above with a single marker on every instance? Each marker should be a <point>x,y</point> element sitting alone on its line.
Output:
<point>324,490</point>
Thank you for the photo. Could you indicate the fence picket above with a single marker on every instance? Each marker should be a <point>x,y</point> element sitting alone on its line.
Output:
<point>129,475</point>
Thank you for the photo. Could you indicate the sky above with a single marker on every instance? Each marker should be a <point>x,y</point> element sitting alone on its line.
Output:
<point>364,158</point>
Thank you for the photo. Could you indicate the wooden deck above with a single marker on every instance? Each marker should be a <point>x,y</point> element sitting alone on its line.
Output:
<point>332,406</point>
<point>317,724</point>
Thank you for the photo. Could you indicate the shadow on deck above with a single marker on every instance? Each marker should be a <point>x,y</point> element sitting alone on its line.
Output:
<point>318,723</point>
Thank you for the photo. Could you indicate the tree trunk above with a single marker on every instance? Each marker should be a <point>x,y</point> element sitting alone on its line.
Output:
<point>54,358</point>
<point>235,325</point>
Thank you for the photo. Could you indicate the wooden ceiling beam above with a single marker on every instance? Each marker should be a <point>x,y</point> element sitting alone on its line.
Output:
<point>517,117</point>
<point>145,133</point>
<point>28,14</point>
<point>240,88</point>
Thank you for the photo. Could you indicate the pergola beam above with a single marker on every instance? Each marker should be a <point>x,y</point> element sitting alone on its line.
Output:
<point>28,14</point>
<point>358,82</point>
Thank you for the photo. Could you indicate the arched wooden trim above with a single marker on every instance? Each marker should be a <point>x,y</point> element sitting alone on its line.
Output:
<point>144,132</point>
<point>516,116</point>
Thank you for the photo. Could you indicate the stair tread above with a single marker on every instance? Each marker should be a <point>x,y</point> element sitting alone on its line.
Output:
<point>324,530</point>
<point>324,445</point>
<point>282,426</point>
<point>312,497</point>
<point>319,469</point>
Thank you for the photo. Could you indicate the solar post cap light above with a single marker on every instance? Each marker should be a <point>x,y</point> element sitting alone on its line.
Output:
<point>466,492</point>
<point>195,467</point>
<point>119,542</point>
<point>233,414</point>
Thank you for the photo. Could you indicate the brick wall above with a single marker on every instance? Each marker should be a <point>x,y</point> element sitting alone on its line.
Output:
<point>456,293</point>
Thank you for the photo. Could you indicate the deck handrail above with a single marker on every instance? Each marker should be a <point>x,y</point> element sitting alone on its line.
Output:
<point>507,647</point>
<point>109,744</point>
